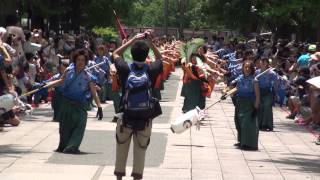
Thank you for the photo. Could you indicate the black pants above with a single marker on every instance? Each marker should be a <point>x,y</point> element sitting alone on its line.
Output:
<point>6,116</point>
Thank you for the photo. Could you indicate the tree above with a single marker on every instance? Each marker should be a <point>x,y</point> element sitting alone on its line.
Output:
<point>151,12</point>
<point>282,17</point>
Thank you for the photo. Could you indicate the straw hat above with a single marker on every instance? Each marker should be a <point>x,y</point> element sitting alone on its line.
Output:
<point>315,81</point>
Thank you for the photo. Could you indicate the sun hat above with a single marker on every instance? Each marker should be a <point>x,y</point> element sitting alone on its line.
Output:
<point>315,81</point>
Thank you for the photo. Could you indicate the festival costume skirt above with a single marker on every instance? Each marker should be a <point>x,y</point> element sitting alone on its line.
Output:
<point>56,104</point>
<point>73,120</point>
<point>192,93</point>
<point>265,114</point>
<point>249,131</point>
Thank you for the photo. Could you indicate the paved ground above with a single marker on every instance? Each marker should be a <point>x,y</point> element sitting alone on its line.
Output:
<point>26,152</point>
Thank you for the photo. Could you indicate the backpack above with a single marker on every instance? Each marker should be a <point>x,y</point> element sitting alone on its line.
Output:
<point>138,103</point>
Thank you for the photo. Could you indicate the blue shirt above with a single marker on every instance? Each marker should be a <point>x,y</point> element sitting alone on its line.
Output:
<point>105,67</point>
<point>106,61</point>
<point>267,81</point>
<point>222,52</point>
<point>96,73</point>
<point>2,66</point>
<point>236,71</point>
<point>282,83</point>
<point>245,86</point>
<point>233,62</point>
<point>303,61</point>
<point>228,56</point>
<point>76,86</point>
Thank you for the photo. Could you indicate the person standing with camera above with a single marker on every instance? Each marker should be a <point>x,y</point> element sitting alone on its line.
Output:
<point>137,104</point>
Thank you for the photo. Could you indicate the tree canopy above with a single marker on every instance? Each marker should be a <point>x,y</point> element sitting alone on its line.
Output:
<point>282,17</point>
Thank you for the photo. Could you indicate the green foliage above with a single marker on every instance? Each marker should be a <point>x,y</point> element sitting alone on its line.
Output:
<point>106,33</point>
<point>276,15</point>
<point>151,13</point>
<point>100,12</point>
<point>191,47</point>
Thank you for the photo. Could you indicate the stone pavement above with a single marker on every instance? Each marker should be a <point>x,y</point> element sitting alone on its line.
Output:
<point>26,152</point>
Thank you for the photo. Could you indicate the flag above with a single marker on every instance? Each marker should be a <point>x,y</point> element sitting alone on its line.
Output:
<point>121,30</point>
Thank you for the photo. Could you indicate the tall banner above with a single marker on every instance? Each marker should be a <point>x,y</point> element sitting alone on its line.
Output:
<point>121,30</point>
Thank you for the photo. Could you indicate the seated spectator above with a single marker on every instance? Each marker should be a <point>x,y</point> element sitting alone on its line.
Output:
<point>6,86</point>
<point>300,85</point>
<point>281,87</point>
<point>304,60</point>
<point>315,64</point>
<point>315,103</point>
<point>28,46</point>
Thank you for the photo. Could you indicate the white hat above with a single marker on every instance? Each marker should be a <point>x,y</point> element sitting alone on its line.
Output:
<point>3,30</point>
<point>315,81</point>
<point>71,39</point>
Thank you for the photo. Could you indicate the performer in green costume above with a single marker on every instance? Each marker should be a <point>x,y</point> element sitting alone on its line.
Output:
<point>77,89</point>
<point>248,97</point>
<point>266,84</point>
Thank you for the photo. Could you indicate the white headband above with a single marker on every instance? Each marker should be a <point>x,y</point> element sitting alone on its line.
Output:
<point>2,30</point>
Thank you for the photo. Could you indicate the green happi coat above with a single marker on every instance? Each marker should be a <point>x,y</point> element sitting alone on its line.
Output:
<point>56,104</point>
<point>103,93</point>
<point>267,82</point>
<point>191,91</point>
<point>249,131</point>
<point>236,118</point>
<point>116,97</point>
<point>76,99</point>
<point>265,114</point>
<point>73,120</point>
<point>245,114</point>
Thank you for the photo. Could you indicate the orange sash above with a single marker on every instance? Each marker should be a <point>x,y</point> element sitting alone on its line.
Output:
<point>157,84</point>
<point>115,85</point>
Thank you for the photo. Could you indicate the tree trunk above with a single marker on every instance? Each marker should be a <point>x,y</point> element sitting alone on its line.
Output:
<point>181,18</point>
<point>318,32</point>
<point>166,4</point>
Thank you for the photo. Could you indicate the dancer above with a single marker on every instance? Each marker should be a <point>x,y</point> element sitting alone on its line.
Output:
<point>77,89</point>
<point>266,85</point>
<point>247,103</point>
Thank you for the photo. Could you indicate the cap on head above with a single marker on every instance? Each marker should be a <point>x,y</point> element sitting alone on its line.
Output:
<point>2,31</point>
<point>312,47</point>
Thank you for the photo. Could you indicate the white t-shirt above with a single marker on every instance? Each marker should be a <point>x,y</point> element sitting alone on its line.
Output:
<point>32,72</point>
<point>30,47</point>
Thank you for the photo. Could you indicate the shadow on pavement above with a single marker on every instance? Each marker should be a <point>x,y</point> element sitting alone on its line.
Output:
<point>15,151</point>
<point>100,147</point>
<point>299,164</point>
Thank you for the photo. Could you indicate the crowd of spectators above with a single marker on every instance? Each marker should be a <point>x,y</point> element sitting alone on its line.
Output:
<point>28,59</point>
<point>297,64</point>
